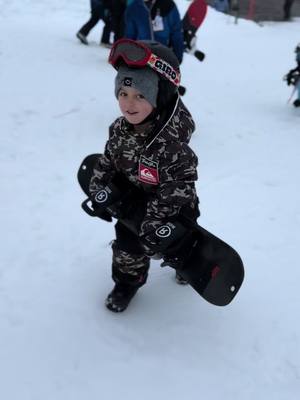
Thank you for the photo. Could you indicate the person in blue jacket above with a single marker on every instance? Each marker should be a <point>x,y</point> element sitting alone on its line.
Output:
<point>221,5</point>
<point>157,20</point>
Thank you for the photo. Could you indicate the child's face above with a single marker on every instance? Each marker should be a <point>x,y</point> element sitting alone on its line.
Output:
<point>133,105</point>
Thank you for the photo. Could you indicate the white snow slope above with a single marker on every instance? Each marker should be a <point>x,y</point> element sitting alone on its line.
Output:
<point>58,341</point>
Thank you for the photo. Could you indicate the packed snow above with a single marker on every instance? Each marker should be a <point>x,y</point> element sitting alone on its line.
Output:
<point>58,341</point>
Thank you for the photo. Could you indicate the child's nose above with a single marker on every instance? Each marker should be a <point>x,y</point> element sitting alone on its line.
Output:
<point>131,100</point>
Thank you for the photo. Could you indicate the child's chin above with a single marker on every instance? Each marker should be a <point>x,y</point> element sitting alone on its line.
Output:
<point>133,119</point>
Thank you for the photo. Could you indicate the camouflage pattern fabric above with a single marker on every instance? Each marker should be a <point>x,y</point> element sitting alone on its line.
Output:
<point>129,268</point>
<point>161,163</point>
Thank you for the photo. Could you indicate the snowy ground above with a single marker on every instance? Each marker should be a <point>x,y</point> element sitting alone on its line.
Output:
<point>58,342</point>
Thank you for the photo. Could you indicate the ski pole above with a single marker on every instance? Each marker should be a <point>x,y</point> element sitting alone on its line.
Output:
<point>291,96</point>
<point>293,91</point>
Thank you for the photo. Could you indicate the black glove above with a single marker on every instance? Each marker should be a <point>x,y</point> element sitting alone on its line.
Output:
<point>117,199</point>
<point>129,200</point>
<point>161,239</point>
<point>101,203</point>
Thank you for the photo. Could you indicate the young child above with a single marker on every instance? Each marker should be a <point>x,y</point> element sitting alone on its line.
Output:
<point>147,149</point>
<point>293,77</point>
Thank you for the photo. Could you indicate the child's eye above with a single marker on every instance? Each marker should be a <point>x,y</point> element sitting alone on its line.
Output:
<point>140,96</point>
<point>122,94</point>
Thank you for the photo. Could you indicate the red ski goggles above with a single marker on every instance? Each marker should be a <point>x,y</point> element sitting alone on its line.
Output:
<point>136,54</point>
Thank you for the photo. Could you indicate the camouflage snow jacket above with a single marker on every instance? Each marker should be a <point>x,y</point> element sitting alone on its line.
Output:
<point>162,164</point>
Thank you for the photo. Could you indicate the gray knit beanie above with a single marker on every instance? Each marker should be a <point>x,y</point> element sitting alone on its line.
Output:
<point>143,80</point>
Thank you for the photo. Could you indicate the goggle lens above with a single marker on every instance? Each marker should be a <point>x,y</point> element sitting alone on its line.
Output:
<point>132,53</point>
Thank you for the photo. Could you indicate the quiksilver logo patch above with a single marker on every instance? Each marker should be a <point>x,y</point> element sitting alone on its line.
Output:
<point>148,171</point>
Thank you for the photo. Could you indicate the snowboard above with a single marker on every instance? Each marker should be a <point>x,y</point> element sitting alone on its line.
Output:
<point>191,22</point>
<point>212,267</point>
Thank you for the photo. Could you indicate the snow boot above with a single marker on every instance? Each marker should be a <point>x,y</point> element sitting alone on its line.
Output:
<point>119,298</point>
<point>297,103</point>
<point>82,38</point>
<point>180,280</point>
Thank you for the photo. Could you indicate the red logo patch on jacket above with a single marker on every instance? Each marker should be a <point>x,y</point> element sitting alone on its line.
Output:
<point>148,171</point>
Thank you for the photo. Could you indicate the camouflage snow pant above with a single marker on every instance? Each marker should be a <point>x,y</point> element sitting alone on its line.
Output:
<point>129,264</point>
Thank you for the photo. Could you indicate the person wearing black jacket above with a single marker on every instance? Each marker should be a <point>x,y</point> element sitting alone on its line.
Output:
<point>293,76</point>
<point>111,13</point>
<point>117,9</point>
<point>287,9</point>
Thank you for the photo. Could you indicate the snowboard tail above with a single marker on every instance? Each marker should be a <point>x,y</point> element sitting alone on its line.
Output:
<point>194,16</point>
<point>191,22</point>
<point>212,267</point>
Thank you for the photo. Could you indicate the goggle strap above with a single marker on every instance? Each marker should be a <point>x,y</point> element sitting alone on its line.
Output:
<point>164,68</point>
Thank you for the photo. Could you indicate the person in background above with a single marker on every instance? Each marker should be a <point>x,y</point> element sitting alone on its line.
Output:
<point>108,27</point>
<point>287,6</point>
<point>155,20</point>
<point>99,11</point>
<point>221,5</point>
<point>234,5</point>
<point>293,76</point>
